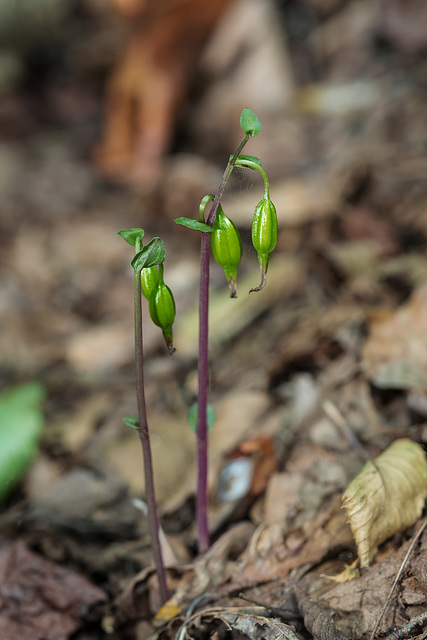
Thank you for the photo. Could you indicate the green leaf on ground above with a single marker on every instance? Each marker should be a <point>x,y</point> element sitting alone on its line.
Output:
<point>21,423</point>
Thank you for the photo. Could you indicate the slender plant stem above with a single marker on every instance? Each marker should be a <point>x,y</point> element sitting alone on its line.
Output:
<point>144,436</point>
<point>203,365</point>
<point>253,165</point>
<point>202,402</point>
<point>227,173</point>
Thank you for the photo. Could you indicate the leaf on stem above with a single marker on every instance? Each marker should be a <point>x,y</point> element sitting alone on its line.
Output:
<point>193,224</point>
<point>192,417</point>
<point>243,158</point>
<point>131,235</point>
<point>131,421</point>
<point>250,124</point>
<point>153,253</point>
<point>387,496</point>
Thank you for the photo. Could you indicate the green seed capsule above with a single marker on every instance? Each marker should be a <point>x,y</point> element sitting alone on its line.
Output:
<point>149,279</point>
<point>264,235</point>
<point>162,310</point>
<point>226,248</point>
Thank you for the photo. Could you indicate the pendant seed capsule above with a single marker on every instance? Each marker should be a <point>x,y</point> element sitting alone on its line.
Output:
<point>264,235</point>
<point>226,248</point>
<point>162,311</point>
<point>149,280</point>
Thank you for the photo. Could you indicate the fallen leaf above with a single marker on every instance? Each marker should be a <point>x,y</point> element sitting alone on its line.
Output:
<point>274,553</point>
<point>386,497</point>
<point>41,600</point>
<point>395,353</point>
<point>203,576</point>
<point>360,601</point>
<point>148,81</point>
<point>318,619</point>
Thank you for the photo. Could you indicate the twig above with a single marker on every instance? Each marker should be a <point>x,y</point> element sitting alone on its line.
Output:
<point>338,419</point>
<point>408,628</point>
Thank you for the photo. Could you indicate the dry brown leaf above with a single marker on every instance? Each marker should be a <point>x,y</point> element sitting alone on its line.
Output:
<point>386,497</point>
<point>254,625</point>
<point>318,618</point>
<point>395,353</point>
<point>41,599</point>
<point>148,82</point>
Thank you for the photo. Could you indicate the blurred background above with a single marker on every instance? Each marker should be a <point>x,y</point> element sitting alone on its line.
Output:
<point>123,113</point>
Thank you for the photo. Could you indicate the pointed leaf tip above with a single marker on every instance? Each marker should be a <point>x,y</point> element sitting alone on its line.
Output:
<point>131,235</point>
<point>131,421</point>
<point>193,224</point>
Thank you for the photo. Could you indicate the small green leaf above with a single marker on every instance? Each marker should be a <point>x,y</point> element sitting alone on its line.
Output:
<point>193,224</point>
<point>249,122</point>
<point>131,421</point>
<point>192,417</point>
<point>153,253</point>
<point>242,158</point>
<point>131,235</point>
<point>21,423</point>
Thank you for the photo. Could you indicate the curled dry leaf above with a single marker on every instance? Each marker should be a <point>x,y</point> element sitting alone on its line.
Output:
<point>387,496</point>
<point>255,626</point>
<point>318,618</point>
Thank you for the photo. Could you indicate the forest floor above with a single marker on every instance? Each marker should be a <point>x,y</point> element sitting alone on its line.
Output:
<point>320,371</point>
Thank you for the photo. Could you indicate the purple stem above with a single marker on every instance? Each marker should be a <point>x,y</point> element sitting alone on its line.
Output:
<point>202,402</point>
<point>203,366</point>
<point>144,436</point>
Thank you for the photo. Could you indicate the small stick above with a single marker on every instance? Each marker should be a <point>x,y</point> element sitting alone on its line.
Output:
<point>287,614</point>
<point>338,419</point>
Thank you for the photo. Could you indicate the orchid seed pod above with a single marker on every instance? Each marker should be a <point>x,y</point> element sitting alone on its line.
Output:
<point>226,248</point>
<point>264,235</point>
<point>149,279</point>
<point>162,309</point>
